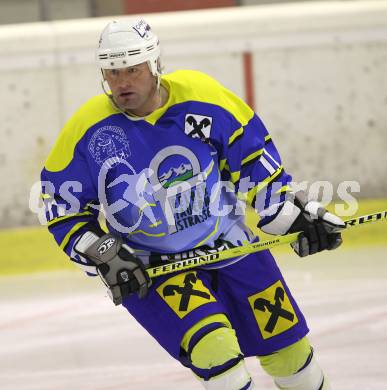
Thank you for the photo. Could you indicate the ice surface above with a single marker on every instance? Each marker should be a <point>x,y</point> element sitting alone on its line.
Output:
<point>59,331</point>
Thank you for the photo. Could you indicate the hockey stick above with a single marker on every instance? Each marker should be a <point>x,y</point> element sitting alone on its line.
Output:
<point>212,256</point>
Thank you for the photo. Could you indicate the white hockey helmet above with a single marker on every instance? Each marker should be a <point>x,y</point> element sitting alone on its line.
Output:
<point>128,43</point>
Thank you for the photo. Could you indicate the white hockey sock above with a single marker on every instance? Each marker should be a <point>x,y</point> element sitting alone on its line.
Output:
<point>309,378</point>
<point>236,378</point>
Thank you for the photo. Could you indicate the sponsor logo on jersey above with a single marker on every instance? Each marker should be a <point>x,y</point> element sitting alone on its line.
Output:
<point>198,126</point>
<point>182,172</point>
<point>109,142</point>
<point>220,245</point>
<point>272,310</point>
<point>180,187</point>
<point>184,293</point>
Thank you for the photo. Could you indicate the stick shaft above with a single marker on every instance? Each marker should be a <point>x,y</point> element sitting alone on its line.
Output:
<point>379,216</point>
<point>214,256</point>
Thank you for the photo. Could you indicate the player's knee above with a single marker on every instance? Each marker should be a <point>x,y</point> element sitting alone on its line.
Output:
<point>295,368</point>
<point>215,356</point>
<point>215,348</point>
<point>202,345</point>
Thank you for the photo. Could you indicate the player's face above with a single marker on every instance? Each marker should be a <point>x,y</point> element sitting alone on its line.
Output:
<point>133,88</point>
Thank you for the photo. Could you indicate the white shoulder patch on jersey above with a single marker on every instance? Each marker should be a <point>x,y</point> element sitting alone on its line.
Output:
<point>198,126</point>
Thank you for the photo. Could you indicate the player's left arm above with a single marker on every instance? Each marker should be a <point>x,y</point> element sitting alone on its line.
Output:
<point>251,161</point>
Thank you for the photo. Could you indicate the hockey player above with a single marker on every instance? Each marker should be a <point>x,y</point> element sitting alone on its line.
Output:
<point>168,157</point>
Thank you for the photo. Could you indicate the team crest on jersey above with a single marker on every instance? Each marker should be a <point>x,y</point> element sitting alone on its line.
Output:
<point>109,142</point>
<point>198,126</point>
<point>272,310</point>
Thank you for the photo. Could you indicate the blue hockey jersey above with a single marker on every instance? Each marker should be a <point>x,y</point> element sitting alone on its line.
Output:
<point>169,182</point>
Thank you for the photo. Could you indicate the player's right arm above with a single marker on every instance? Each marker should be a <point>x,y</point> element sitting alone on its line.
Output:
<point>69,192</point>
<point>72,218</point>
<point>70,202</point>
<point>70,196</point>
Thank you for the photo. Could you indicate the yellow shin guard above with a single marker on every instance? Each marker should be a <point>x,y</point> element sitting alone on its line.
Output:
<point>295,368</point>
<point>215,354</point>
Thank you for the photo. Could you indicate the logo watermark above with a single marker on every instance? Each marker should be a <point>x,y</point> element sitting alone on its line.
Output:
<point>175,200</point>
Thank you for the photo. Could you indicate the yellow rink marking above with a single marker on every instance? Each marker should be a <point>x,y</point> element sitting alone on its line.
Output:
<point>33,249</point>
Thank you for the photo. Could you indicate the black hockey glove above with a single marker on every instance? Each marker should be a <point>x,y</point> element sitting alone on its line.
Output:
<point>320,229</point>
<point>120,270</point>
